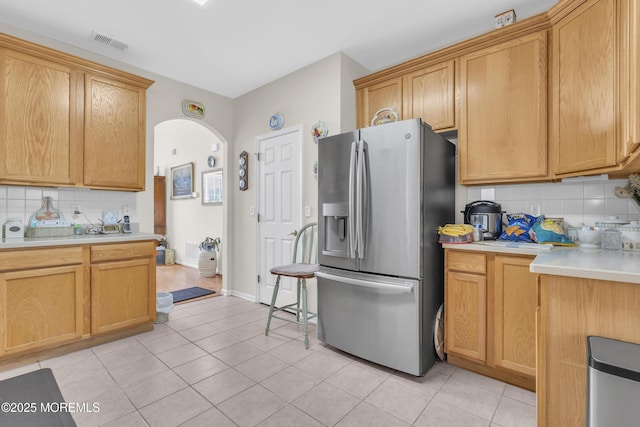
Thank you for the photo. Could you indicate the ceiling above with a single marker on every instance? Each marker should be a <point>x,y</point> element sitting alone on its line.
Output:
<point>231,47</point>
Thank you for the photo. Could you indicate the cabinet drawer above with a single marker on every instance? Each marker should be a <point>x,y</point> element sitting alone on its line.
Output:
<point>467,261</point>
<point>118,252</point>
<point>38,258</point>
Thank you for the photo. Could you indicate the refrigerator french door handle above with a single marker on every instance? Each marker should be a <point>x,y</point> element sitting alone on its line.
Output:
<point>362,198</point>
<point>352,203</point>
<point>400,289</point>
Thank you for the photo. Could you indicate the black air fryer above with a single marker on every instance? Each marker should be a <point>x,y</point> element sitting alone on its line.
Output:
<point>485,215</point>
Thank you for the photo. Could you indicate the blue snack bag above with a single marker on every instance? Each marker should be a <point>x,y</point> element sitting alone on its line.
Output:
<point>518,226</point>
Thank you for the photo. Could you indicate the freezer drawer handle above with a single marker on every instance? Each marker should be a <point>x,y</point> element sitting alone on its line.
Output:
<point>408,288</point>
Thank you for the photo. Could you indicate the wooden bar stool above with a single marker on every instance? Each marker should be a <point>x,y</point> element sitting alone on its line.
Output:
<point>301,270</point>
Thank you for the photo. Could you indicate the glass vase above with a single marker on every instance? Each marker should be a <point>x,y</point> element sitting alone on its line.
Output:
<point>46,215</point>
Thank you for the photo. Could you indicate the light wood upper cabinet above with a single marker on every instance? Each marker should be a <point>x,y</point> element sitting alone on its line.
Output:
<point>584,120</point>
<point>503,113</point>
<point>66,121</point>
<point>370,99</point>
<point>514,311</point>
<point>595,75</point>
<point>114,144</point>
<point>429,93</point>
<point>40,121</point>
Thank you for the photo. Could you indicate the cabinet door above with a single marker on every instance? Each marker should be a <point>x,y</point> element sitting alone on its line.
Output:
<point>370,99</point>
<point>114,146</point>
<point>41,308</point>
<point>514,312</point>
<point>430,94</point>
<point>465,315</point>
<point>629,60</point>
<point>584,78</point>
<point>40,121</point>
<point>159,205</point>
<point>503,112</point>
<point>122,294</point>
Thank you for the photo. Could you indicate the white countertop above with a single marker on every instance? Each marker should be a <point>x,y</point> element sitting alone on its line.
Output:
<point>616,266</point>
<point>500,247</point>
<point>85,239</point>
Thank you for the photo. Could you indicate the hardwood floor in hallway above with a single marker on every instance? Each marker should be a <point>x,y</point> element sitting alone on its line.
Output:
<point>175,277</point>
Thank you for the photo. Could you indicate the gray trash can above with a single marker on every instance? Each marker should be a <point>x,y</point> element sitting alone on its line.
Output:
<point>164,305</point>
<point>613,383</point>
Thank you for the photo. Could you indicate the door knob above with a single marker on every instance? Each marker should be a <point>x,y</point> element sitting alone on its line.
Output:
<point>293,233</point>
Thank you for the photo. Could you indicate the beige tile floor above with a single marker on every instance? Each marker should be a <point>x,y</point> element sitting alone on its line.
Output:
<point>211,365</point>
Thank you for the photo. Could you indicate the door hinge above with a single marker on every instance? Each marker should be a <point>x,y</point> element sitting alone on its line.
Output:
<point>258,278</point>
<point>258,156</point>
<point>258,216</point>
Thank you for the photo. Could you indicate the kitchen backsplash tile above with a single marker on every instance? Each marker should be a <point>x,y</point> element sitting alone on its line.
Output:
<point>21,202</point>
<point>576,202</point>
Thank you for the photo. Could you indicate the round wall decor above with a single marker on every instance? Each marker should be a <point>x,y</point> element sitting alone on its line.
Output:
<point>276,121</point>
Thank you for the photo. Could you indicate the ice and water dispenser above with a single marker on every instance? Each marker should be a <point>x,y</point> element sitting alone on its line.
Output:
<point>336,229</point>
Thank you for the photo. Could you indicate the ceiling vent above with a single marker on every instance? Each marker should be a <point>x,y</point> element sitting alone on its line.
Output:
<point>101,38</point>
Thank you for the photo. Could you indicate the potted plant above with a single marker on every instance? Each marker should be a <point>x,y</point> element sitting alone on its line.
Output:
<point>208,257</point>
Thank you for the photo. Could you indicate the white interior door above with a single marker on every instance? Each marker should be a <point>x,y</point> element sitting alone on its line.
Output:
<point>279,212</point>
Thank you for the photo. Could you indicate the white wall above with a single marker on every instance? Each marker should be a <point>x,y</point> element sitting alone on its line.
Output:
<point>188,221</point>
<point>321,91</point>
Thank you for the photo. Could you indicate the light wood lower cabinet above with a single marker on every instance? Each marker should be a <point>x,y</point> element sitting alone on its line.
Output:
<point>41,307</point>
<point>42,302</point>
<point>514,320</point>
<point>490,308</point>
<point>466,308</point>
<point>570,309</point>
<point>123,292</point>
<point>69,297</point>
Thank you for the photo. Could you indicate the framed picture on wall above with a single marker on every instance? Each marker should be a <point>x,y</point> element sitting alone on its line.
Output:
<point>182,181</point>
<point>212,187</point>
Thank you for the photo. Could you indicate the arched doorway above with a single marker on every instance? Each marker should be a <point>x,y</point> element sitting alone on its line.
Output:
<point>185,144</point>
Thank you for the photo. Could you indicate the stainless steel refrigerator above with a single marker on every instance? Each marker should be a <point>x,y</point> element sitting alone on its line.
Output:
<point>383,191</point>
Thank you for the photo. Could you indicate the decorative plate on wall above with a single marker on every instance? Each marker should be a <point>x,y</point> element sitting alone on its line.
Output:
<point>193,109</point>
<point>319,130</point>
<point>276,121</point>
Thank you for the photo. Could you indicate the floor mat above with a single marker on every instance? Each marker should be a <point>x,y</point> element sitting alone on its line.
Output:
<point>190,293</point>
<point>34,400</point>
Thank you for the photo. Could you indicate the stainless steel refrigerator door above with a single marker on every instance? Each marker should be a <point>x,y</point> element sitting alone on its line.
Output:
<point>393,218</point>
<point>336,201</point>
<point>373,317</point>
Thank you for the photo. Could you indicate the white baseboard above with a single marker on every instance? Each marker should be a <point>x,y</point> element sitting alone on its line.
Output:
<point>243,295</point>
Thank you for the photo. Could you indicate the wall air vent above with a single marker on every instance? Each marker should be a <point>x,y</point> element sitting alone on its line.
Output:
<point>101,38</point>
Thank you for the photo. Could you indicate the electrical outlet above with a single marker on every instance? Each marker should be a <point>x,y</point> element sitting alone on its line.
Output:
<point>534,210</point>
<point>75,208</point>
